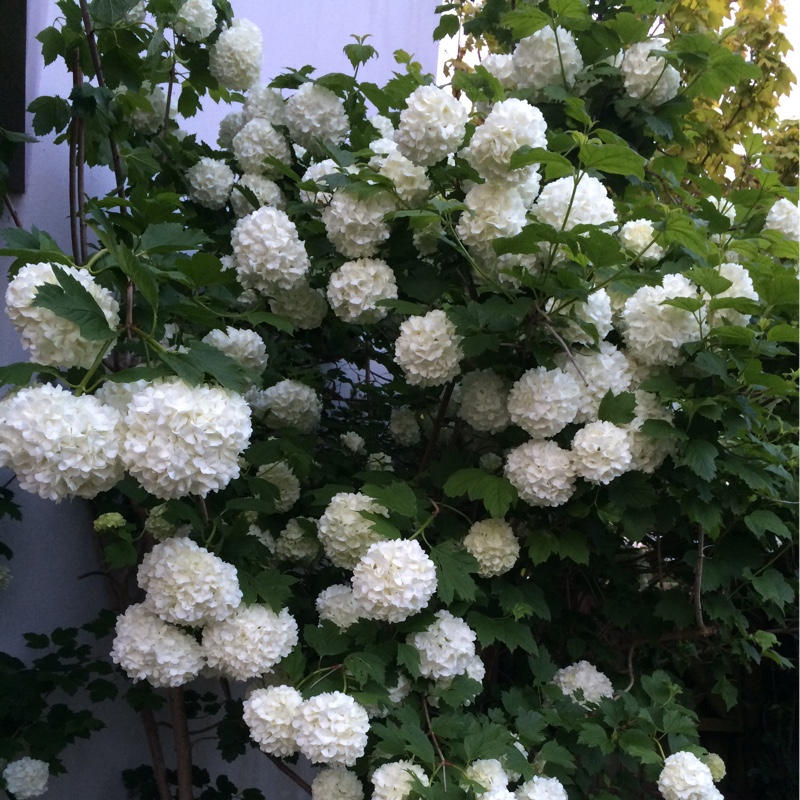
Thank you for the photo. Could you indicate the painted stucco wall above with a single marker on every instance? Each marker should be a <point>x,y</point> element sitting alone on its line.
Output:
<point>53,551</point>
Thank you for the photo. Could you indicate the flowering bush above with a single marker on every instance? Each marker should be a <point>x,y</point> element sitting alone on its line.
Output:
<point>402,416</point>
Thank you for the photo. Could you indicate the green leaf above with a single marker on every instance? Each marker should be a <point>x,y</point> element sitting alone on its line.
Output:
<point>733,334</point>
<point>364,666</point>
<point>398,497</point>
<point>690,304</point>
<point>141,274</point>
<point>709,279</point>
<point>512,633</point>
<point>759,522</point>
<point>573,545</point>
<point>700,456</point>
<point>270,587</point>
<point>20,374</point>
<point>168,237</point>
<point>639,745</point>
<point>525,156</point>
<point>490,741</point>
<point>661,429</point>
<point>772,587</point>
<point>448,26</point>
<point>525,21</point>
<point>555,753</point>
<point>497,493</point>
<point>617,408</point>
<point>453,572</point>
<point>783,333</point>
<point>358,52</point>
<point>408,659</point>
<point>70,300</point>
<point>49,114</point>
<point>593,735</point>
<point>614,159</point>
<point>326,639</point>
<point>219,365</point>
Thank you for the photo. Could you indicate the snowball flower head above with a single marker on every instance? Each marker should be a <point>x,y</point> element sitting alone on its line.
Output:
<point>586,677</point>
<point>428,349</point>
<point>230,125</point>
<point>601,452</point>
<point>547,57</point>
<point>716,765</point>
<point>294,545</point>
<point>648,452</point>
<point>403,426</point>
<point>353,442</point>
<point>488,772</point>
<point>338,605</point>
<point>564,205</point>
<point>196,20</point>
<point>541,788</point>
<point>501,65</point>
<point>281,476</point>
<point>648,77</point>
<point>638,236</point>
<point>245,347</point>
<point>445,647</point>
<point>784,218</point>
<point>147,648</point>
<point>595,311</point>
<point>269,714</point>
<point>269,254</point>
<point>315,173</point>
<point>542,473</point>
<point>494,546</point>
<point>187,585</point>
<point>410,180</point>
<point>302,305</point>
<point>685,777</point>
<point>742,286</point>
<point>379,462</point>
<point>511,124</point>
<point>292,404</point>
<point>316,115</point>
<point>331,728</point>
<point>393,781</point>
<point>357,286</point>
<point>26,777</point>
<point>266,103</point>
<point>235,59</point>
<point>267,193</point>
<point>60,445</point>
<point>183,439</point>
<point>336,783</point>
<point>344,533</point>
<point>210,182</point>
<point>543,401</point>
<point>51,339</point>
<point>432,125</point>
<point>494,210</point>
<point>256,140</point>
<point>250,642</point>
<point>355,225</point>
<point>394,580</point>
<point>149,120</point>
<point>484,397</point>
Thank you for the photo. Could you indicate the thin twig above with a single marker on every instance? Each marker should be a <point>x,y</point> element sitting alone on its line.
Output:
<point>437,426</point>
<point>548,323</point>
<point>169,96</point>
<point>156,754</point>
<point>81,191</point>
<point>289,773</point>
<point>12,211</point>
<point>697,601</point>
<point>630,668</point>
<point>443,762</point>
<point>183,745</point>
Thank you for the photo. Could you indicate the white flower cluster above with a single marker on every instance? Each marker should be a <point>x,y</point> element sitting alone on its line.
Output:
<point>353,442</point>
<point>501,65</point>
<point>595,311</point>
<point>210,182</point>
<point>543,401</point>
<point>338,605</point>
<point>316,171</point>
<point>250,642</point>
<point>484,399</point>
<point>393,781</point>
<point>256,140</point>
<point>403,426</point>
<point>494,210</point>
<point>281,476</point>
<point>26,777</point>
<point>266,103</point>
<point>648,452</point>
<point>186,584</point>
<point>547,57</point>
<point>245,347</point>
<point>196,20</point>
<point>410,181</point>
<point>563,203</point>
<point>269,713</point>
<point>541,788</point>
<point>601,452</point>
<point>357,286</point>
<point>336,783</point>
<point>291,404</point>
<point>784,217</point>
<point>393,580</point>
<point>184,439</point>
<point>428,349</point>
<point>432,125</point>
<point>446,647</point>
<point>379,462</point>
<point>344,533</point>
<point>331,728</point>
<point>294,545</point>
<point>742,286</point>
<point>148,648</point>
<point>229,126</point>
<point>355,225</point>
<point>648,77</point>
<point>235,59</point>
<point>686,777</point>
<point>585,677</point>
<point>303,306</point>
<point>489,773</point>
<point>541,472</point>
<point>149,120</point>
<point>494,545</point>
<point>51,339</point>
<point>268,252</point>
<point>60,445</point>
<point>639,237</point>
<point>267,193</point>
<point>315,115</point>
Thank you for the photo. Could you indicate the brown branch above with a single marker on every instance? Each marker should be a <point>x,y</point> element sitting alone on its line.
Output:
<point>443,762</point>
<point>81,192</point>
<point>549,325</point>
<point>169,96</point>
<point>156,754</point>
<point>437,426</point>
<point>12,211</point>
<point>697,589</point>
<point>183,745</point>
<point>289,773</point>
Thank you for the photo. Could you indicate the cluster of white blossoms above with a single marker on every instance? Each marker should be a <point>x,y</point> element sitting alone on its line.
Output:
<point>648,452</point>
<point>648,77</point>
<point>196,20</point>
<point>353,441</point>
<point>493,544</point>
<point>51,339</point>
<point>595,311</point>
<point>302,305</point>
<point>291,404</point>
<point>264,102</point>
<point>187,585</point>
<point>654,332</point>
<point>541,788</point>
<point>268,714</point>
<point>494,210</point>
<point>567,202</point>
<point>741,286</point>
<point>639,236</point>
<point>294,545</point>
<point>338,605</point>
<point>182,439</point>
<point>355,289</point>
<point>229,126</point>
<point>148,648</point>
<point>403,426</point>
<point>547,57</point>
<point>410,181</point>
<point>210,182</point>
<point>336,783</point>
<point>428,349</point>
<point>266,192</point>
<point>315,173</point>
<point>355,225</point>
<point>393,580</point>
<point>249,642</point>
<point>256,140</point>
<point>489,773</point>
<point>393,781</point>
<point>268,252</point>
<point>601,452</point>
<point>314,116</point>
<point>784,217</point>
<point>282,477</point>
<point>60,445</point>
<point>344,533</point>
<point>26,777</point>
<point>501,66</point>
<point>543,401</point>
<point>245,347</point>
<point>149,120</point>
<point>432,125</point>
<point>484,400</point>
<point>542,473</point>
<point>235,59</point>
<point>686,777</point>
<point>585,677</point>
<point>446,647</point>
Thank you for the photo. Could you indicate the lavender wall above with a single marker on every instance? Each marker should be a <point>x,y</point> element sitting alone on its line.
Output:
<point>52,546</point>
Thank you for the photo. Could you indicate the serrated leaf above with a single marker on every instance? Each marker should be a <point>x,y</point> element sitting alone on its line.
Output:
<point>270,586</point>
<point>267,318</point>
<point>555,753</point>
<point>490,741</point>
<point>49,114</point>
<point>448,26</point>
<point>142,275</point>
<point>364,666</point>
<point>700,456</point>
<point>613,159</point>
<point>408,659</point>
<point>398,497</point>
<point>617,408</point>
<point>661,429</point>
<point>690,304</point>
<point>783,333</point>
<point>20,374</point>
<point>759,522</point>
<point>453,572</point>
<point>219,365</point>
<point>709,279</point>
<point>510,632</point>
<point>526,156</point>
<point>772,587</point>
<point>593,735</point>
<point>639,745</point>
<point>168,237</point>
<point>524,21</point>
<point>497,493</point>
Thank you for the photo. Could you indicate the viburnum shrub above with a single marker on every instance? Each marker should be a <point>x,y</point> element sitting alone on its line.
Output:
<point>445,429</point>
